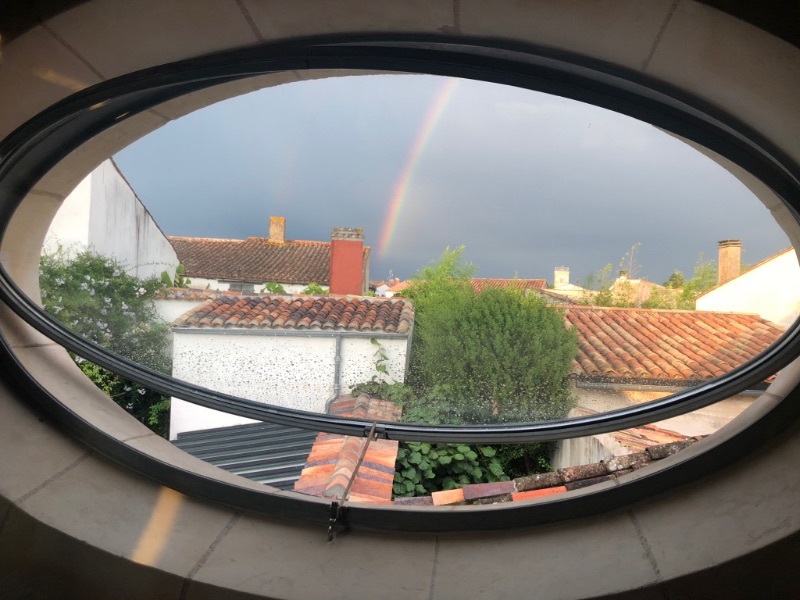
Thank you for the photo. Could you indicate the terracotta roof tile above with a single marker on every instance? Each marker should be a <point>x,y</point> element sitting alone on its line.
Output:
<point>256,259</point>
<point>333,457</point>
<point>664,346</point>
<point>389,315</point>
<point>482,283</point>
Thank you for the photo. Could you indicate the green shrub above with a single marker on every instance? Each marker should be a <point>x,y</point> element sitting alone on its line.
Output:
<point>274,288</point>
<point>504,356</point>
<point>422,468</point>
<point>95,298</point>
<point>315,288</point>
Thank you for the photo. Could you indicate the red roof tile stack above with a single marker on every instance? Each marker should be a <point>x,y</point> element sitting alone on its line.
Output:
<point>667,346</point>
<point>333,457</point>
<point>256,259</point>
<point>388,315</point>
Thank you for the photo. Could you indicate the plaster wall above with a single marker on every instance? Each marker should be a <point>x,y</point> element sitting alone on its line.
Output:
<point>359,360</point>
<point>70,227</point>
<point>771,290</point>
<point>103,213</point>
<point>224,286</point>
<point>121,227</point>
<point>584,451</point>
<point>704,421</point>
<point>169,310</point>
<point>294,371</point>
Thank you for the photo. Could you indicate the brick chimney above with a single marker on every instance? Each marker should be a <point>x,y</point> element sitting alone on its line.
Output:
<point>347,261</point>
<point>277,230</point>
<point>730,260</point>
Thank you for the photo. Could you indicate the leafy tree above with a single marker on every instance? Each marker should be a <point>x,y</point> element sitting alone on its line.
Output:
<point>704,278</point>
<point>94,297</point>
<point>503,355</point>
<point>676,281</point>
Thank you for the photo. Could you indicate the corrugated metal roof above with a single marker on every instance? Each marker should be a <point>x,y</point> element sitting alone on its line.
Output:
<point>270,454</point>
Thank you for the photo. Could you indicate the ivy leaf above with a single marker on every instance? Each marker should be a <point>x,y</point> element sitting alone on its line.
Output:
<point>445,460</point>
<point>471,455</point>
<point>448,483</point>
<point>462,448</point>
<point>496,469</point>
<point>415,458</point>
<point>487,451</point>
<point>425,448</point>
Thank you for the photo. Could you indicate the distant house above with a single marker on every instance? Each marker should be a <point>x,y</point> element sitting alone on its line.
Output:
<point>103,214</point>
<point>246,265</point>
<point>562,286</point>
<point>296,352</point>
<point>628,356</point>
<point>634,292</point>
<point>770,288</point>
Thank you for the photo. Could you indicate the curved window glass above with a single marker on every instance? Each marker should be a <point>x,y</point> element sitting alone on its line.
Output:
<point>448,262</point>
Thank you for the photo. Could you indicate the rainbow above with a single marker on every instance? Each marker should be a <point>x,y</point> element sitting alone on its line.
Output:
<point>440,101</point>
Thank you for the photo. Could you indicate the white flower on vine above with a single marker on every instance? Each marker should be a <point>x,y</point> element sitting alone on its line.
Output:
<point>141,391</point>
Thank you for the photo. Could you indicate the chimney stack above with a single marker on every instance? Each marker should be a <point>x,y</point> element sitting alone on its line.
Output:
<point>347,261</point>
<point>560,277</point>
<point>277,230</point>
<point>730,260</point>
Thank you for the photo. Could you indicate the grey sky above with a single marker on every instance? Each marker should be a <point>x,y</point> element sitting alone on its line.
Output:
<point>525,181</point>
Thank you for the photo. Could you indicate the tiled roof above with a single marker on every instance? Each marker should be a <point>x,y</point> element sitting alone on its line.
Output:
<point>482,283</point>
<point>668,346</point>
<point>333,457</point>
<point>191,294</point>
<point>256,259</point>
<point>389,315</point>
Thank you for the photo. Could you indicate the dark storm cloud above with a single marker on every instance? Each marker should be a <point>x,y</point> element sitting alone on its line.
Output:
<point>525,181</point>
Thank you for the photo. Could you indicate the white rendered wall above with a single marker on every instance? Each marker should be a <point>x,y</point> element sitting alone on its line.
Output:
<point>120,227</point>
<point>104,214</point>
<point>70,227</point>
<point>771,290</point>
<point>169,309</point>
<point>703,421</point>
<point>293,372</point>
<point>202,283</point>
<point>359,361</point>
